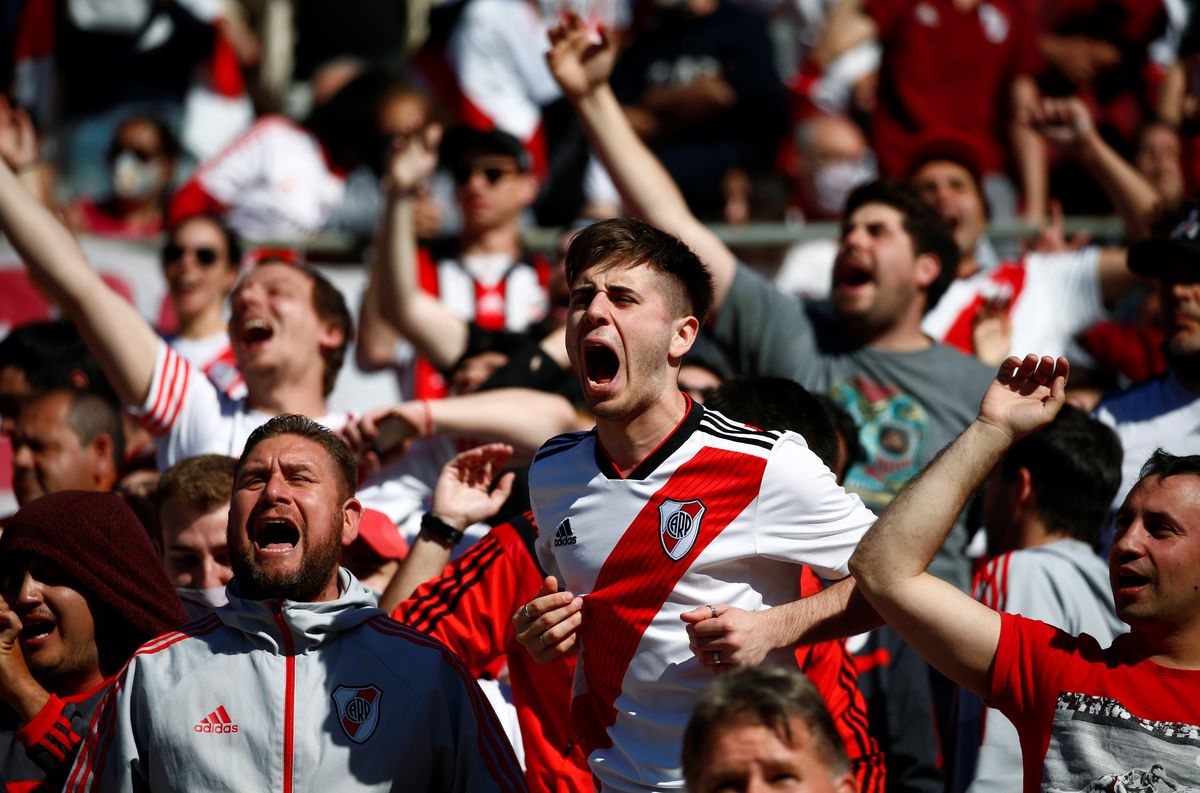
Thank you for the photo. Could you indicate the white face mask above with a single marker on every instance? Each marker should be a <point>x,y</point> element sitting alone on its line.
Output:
<point>199,602</point>
<point>135,179</point>
<point>833,182</point>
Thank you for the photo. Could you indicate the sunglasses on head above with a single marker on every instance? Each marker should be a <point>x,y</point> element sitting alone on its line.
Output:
<point>173,252</point>
<point>493,173</point>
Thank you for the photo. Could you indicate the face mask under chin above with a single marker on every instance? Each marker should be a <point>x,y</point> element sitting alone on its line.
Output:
<point>199,602</point>
<point>134,179</point>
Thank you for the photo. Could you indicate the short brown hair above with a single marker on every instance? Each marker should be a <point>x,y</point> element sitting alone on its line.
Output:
<point>203,482</point>
<point>628,242</point>
<point>770,696</point>
<point>293,424</point>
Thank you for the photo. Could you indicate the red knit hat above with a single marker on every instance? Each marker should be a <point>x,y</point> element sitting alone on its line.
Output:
<point>97,541</point>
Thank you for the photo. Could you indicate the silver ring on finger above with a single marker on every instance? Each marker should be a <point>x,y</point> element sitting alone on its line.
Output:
<point>717,657</point>
<point>542,640</point>
<point>712,609</point>
<point>525,611</point>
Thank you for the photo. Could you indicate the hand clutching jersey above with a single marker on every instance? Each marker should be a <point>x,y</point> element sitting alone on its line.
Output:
<point>719,513</point>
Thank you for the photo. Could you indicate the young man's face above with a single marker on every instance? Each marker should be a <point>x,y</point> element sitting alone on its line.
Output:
<point>196,265</point>
<point>753,758</point>
<point>58,634</point>
<point>492,191</point>
<point>273,325</point>
<point>288,521</point>
<point>195,545</point>
<point>877,277</point>
<point>1154,562</point>
<point>951,189</point>
<point>624,340</point>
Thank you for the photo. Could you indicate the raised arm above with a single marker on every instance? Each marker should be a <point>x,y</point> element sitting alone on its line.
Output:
<point>435,332</point>
<point>122,341</point>
<point>582,67</point>
<point>951,630</point>
<point>1066,122</point>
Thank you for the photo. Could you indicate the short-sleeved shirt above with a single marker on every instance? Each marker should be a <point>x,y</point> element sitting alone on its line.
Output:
<point>1052,298</point>
<point>187,415</point>
<point>719,513</point>
<point>908,405</point>
<point>1091,718</point>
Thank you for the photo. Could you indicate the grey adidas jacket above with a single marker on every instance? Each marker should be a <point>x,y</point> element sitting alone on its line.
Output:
<point>286,696</point>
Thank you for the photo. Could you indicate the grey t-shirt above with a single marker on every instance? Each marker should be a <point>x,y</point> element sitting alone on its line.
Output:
<point>908,404</point>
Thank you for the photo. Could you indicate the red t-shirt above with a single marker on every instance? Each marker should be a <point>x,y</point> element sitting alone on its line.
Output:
<point>1091,718</point>
<point>947,68</point>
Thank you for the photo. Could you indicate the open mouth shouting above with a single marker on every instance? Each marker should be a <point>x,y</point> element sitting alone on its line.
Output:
<point>273,536</point>
<point>256,332</point>
<point>601,364</point>
<point>851,273</point>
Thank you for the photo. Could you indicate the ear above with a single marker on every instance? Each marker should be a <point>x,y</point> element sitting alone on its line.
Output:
<point>352,510</point>
<point>1022,488</point>
<point>104,464</point>
<point>684,336</point>
<point>928,268</point>
<point>528,185</point>
<point>331,336</point>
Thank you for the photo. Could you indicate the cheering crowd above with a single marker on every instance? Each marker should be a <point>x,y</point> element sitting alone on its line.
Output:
<point>907,510</point>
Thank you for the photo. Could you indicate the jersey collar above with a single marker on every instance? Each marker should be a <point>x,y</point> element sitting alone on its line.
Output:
<point>669,445</point>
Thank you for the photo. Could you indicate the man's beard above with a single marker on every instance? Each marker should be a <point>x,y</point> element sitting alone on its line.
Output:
<point>317,567</point>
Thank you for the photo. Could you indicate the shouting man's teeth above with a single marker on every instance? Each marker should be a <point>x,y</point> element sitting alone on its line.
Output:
<point>276,536</point>
<point>602,364</point>
<point>256,330</point>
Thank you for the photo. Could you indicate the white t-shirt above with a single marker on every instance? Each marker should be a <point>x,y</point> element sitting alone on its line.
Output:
<point>1052,298</point>
<point>275,181</point>
<point>719,513</point>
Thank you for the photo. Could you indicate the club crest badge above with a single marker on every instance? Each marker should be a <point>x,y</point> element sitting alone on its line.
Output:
<point>358,710</point>
<point>678,525</point>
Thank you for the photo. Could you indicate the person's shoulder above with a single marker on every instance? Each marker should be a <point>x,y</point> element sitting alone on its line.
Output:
<point>410,654</point>
<point>174,652</point>
<point>1145,400</point>
<point>559,445</point>
<point>718,428</point>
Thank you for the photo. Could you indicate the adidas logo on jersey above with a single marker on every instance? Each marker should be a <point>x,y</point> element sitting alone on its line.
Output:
<point>218,721</point>
<point>563,535</point>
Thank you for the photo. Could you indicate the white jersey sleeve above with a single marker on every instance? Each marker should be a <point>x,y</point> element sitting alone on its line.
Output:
<point>180,409</point>
<point>804,515</point>
<point>1067,284</point>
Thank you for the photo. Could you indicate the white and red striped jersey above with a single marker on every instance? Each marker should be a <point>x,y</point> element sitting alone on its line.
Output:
<point>214,357</point>
<point>492,290</point>
<point>719,513</point>
<point>1052,297</point>
<point>187,415</point>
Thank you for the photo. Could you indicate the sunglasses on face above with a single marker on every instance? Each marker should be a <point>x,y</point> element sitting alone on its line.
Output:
<point>492,173</point>
<point>174,252</point>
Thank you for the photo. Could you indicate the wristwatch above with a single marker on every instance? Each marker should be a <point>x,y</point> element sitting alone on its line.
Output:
<point>441,529</point>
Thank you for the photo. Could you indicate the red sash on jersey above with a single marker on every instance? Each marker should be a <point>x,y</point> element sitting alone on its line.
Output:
<point>961,333</point>
<point>639,576</point>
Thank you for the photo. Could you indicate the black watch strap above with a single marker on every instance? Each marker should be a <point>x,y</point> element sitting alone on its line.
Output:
<point>441,529</point>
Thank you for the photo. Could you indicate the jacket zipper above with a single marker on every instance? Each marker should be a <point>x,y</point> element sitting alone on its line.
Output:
<point>289,703</point>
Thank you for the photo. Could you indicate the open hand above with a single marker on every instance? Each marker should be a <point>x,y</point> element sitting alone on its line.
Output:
<point>1026,394</point>
<point>464,494</point>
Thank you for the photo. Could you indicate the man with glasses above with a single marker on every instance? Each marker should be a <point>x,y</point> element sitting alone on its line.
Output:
<point>485,276</point>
